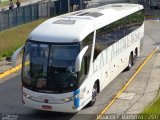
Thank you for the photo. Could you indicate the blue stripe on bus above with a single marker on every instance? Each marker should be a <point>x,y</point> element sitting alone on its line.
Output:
<point>76,100</point>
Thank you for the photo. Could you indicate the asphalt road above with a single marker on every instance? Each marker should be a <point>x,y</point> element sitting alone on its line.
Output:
<point>10,88</point>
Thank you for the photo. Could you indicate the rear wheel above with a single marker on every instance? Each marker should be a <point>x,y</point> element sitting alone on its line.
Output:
<point>130,63</point>
<point>134,59</point>
<point>94,95</point>
<point>135,56</point>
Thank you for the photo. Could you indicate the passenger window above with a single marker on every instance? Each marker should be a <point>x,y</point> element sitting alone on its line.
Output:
<point>109,34</point>
<point>87,57</point>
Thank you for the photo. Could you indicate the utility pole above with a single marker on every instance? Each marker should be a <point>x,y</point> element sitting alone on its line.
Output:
<point>69,6</point>
<point>81,1</point>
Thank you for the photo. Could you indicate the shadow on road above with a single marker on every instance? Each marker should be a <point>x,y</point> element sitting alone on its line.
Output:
<point>46,115</point>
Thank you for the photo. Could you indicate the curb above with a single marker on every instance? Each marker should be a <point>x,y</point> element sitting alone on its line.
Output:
<point>151,17</point>
<point>8,72</point>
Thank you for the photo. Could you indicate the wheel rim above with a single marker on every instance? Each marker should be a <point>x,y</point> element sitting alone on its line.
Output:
<point>134,59</point>
<point>130,62</point>
<point>94,94</point>
<point>129,65</point>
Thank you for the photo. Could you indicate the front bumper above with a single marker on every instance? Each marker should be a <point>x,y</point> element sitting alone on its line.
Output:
<point>51,102</point>
<point>65,107</point>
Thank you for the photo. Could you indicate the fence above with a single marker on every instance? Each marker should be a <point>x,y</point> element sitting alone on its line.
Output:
<point>32,12</point>
<point>25,14</point>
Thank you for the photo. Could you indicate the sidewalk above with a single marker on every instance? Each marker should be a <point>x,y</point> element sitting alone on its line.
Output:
<point>142,91</point>
<point>5,65</point>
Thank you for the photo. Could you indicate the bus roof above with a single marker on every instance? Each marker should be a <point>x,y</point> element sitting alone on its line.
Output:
<point>75,26</point>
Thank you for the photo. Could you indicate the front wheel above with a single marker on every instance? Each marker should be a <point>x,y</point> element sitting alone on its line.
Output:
<point>94,95</point>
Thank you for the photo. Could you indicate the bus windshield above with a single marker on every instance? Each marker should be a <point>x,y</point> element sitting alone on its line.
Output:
<point>50,67</point>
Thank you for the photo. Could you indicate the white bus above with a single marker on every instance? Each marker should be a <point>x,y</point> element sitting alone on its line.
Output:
<point>70,58</point>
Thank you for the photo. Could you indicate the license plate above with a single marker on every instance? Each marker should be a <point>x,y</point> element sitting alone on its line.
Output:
<point>46,107</point>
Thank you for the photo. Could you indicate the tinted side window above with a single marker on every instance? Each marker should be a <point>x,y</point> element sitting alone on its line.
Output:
<point>108,35</point>
<point>88,40</point>
<point>86,59</point>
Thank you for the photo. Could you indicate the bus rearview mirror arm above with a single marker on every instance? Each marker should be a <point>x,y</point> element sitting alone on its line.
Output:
<point>15,54</point>
<point>79,59</point>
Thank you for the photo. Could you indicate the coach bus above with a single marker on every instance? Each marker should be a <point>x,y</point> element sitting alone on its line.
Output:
<point>70,58</point>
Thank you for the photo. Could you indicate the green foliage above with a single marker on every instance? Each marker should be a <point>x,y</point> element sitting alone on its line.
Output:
<point>152,111</point>
<point>154,108</point>
<point>12,39</point>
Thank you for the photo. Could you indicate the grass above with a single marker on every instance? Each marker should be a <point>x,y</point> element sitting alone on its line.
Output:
<point>153,111</point>
<point>5,3</point>
<point>14,38</point>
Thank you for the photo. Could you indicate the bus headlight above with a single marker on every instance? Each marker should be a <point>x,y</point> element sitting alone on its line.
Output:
<point>67,99</point>
<point>80,96</point>
<point>26,95</point>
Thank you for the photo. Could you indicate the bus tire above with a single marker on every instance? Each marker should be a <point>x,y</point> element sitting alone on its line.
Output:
<point>130,63</point>
<point>133,60</point>
<point>135,56</point>
<point>94,95</point>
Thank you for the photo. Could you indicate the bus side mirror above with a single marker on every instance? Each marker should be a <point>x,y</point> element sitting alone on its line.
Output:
<point>79,59</point>
<point>15,54</point>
